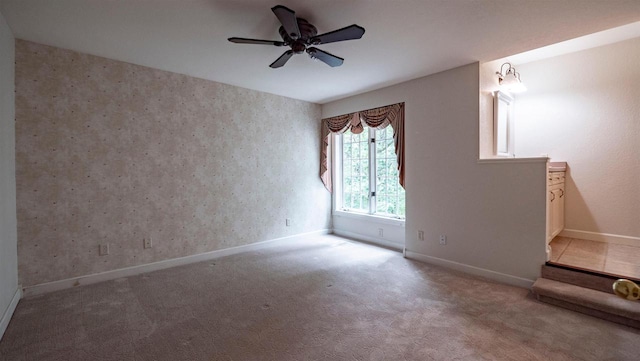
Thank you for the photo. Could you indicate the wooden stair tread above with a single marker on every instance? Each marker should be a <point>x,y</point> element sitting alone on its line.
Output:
<point>586,298</point>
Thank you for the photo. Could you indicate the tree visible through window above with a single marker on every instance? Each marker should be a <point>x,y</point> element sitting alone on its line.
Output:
<point>370,174</point>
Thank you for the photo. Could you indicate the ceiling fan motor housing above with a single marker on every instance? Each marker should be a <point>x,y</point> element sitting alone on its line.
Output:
<point>307,31</point>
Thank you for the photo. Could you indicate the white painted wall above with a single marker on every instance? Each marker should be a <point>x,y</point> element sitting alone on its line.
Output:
<point>368,229</point>
<point>8,228</point>
<point>493,213</point>
<point>584,108</point>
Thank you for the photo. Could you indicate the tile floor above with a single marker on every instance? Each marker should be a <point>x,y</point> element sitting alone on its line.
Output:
<point>613,259</point>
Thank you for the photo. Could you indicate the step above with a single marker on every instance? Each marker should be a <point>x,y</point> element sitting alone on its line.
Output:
<point>589,301</point>
<point>599,282</point>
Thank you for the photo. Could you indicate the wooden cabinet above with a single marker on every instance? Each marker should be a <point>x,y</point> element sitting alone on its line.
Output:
<point>555,201</point>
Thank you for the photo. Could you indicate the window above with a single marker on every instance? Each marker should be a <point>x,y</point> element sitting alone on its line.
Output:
<point>369,174</point>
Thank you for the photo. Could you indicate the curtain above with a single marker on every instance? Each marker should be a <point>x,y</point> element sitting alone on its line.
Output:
<point>377,118</point>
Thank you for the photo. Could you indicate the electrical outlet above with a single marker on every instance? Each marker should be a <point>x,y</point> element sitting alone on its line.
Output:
<point>443,239</point>
<point>104,249</point>
<point>380,232</point>
<point>420,235</point>
<point>288,221</point>
<point>148,242</point>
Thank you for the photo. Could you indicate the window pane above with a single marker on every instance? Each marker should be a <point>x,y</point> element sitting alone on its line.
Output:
<point>355,171</point>
<point>390,197</point>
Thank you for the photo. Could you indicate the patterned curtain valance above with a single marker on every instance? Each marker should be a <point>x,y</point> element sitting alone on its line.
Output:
<point>377,118</point>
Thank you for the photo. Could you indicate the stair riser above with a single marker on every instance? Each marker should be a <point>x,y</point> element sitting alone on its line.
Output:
<point>594,282</point>
<point>589,311</point>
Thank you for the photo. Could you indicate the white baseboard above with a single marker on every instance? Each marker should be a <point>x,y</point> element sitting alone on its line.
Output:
<point>8,313</point>
<point>601,237</point>
<point>374,240</point>
<point>156,266</point>
<point>492,275</point>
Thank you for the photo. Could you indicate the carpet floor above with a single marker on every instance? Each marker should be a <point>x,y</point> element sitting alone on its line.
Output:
<point>327,298</point>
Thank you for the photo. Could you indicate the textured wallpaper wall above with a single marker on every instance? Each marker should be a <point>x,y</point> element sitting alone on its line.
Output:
<point>110,152</point>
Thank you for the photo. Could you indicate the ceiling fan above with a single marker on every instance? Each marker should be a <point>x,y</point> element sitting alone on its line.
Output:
<point>300,36</point>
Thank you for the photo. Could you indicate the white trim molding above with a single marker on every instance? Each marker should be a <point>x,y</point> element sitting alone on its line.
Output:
<point>160,265</point>
<point>601,237</point>
<point>498,160</point>
<point>370,218</point>
<point>8,313</point>
<point>375,240</point>
<point>477,271</point>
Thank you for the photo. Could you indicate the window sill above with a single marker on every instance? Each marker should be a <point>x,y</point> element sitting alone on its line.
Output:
<point>370,218</point>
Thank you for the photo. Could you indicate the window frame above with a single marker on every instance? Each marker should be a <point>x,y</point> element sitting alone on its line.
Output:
<point>338,210</point>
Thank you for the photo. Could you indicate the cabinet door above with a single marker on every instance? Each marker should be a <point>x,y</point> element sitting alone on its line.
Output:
<point>550,200</point>
<point>557,209</point>
<point>554,211</point>
<point>560,207</point>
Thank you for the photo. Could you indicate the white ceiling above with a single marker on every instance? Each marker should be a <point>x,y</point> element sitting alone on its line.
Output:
<point>404,39</point>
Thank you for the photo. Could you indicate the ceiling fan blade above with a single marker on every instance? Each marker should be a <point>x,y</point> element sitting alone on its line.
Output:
<point>350,32</point>
<point>282,59</point>
<point>325,57</point>
<point>288,20</point>
<point>255,41</point>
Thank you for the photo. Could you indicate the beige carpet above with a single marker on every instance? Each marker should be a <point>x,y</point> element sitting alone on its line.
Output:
<point>324,299</point>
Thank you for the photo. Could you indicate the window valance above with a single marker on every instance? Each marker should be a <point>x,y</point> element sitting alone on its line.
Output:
<point>377,118</point>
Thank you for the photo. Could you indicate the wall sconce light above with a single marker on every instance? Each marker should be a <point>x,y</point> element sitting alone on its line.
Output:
<point>510,80</point>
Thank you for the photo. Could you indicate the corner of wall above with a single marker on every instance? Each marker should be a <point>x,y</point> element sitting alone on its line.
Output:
<point>8,313</point>
<point>9,289</point>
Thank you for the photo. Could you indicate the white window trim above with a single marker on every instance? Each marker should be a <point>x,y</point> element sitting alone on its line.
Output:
<point>336,154</point>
